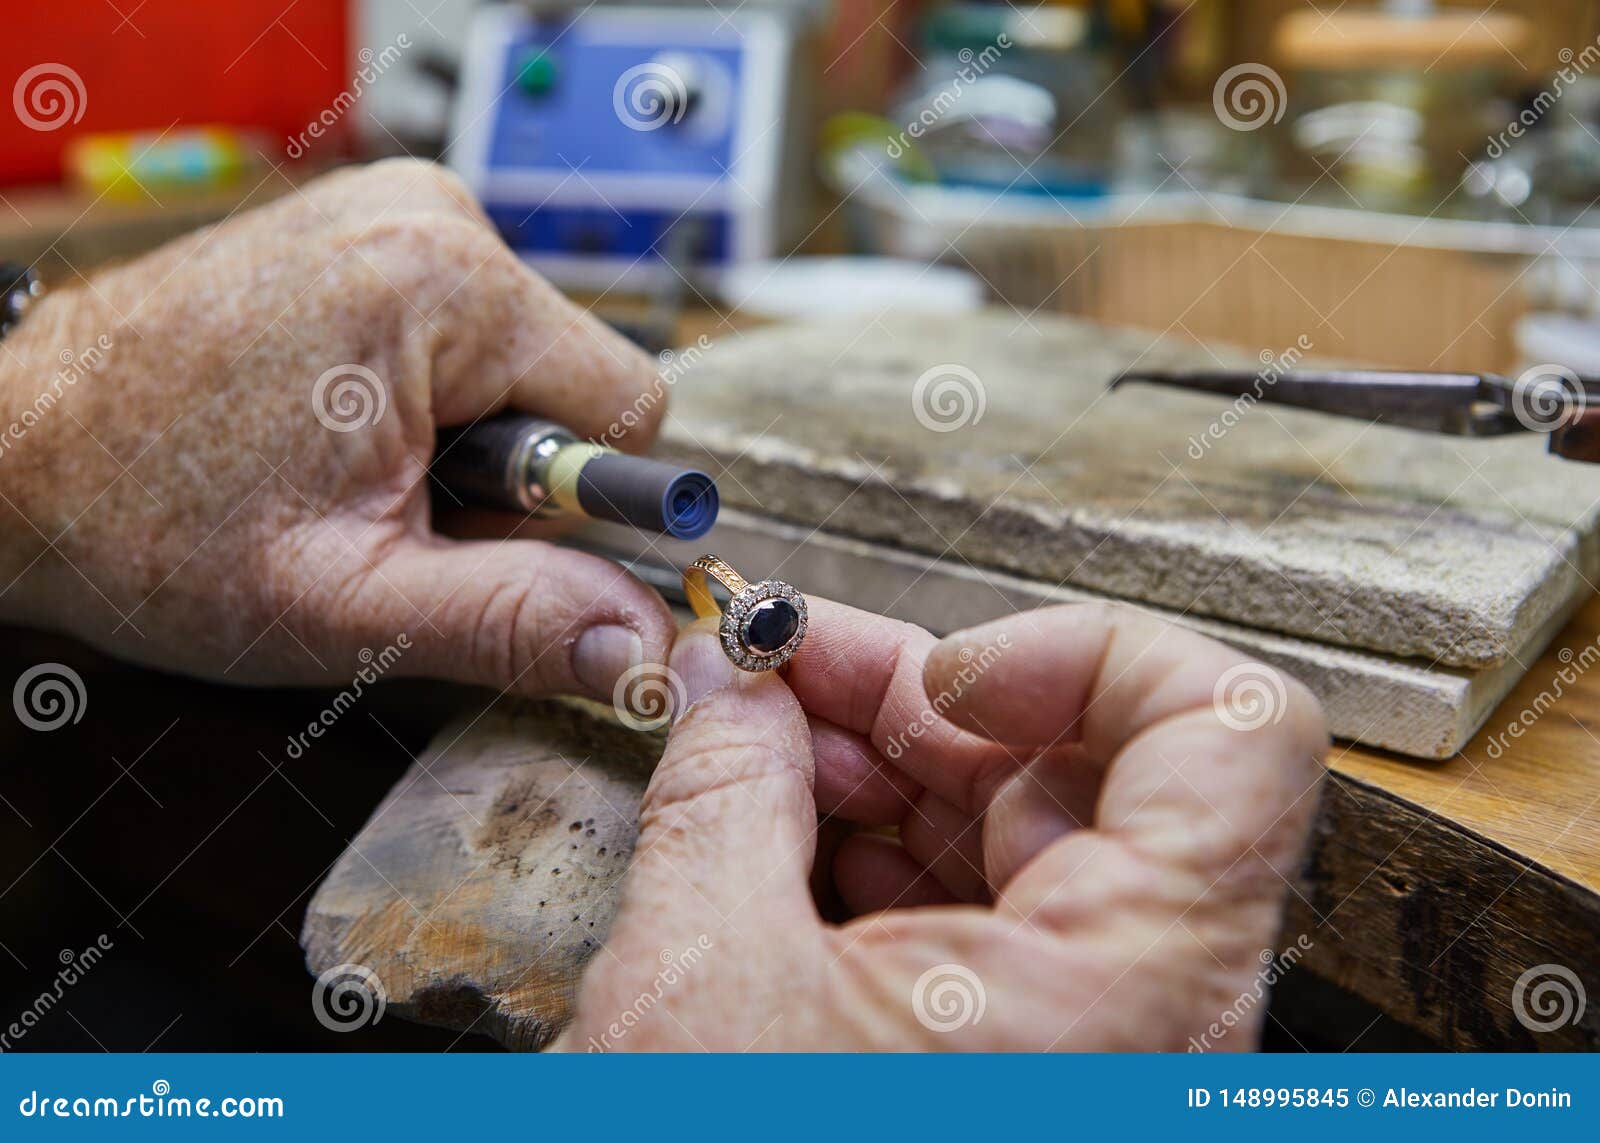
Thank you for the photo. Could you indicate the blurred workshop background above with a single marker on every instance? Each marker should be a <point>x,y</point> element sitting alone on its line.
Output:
<point>1410,181</point>
<point>1409,184</point>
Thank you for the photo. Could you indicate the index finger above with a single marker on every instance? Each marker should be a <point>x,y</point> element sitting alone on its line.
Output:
<point>864,673</point>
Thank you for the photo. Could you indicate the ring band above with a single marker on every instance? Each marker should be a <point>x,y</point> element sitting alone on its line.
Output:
<point>763,624</point>
<point>699,591</point>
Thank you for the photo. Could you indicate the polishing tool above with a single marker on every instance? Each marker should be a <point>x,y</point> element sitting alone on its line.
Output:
<point>524,464</point>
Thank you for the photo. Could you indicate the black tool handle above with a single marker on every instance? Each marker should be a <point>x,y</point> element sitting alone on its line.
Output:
<point>481,463</point>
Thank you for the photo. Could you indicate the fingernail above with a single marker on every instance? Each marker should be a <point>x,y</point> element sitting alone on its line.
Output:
<point>700,665</point>
<point>603,655</point>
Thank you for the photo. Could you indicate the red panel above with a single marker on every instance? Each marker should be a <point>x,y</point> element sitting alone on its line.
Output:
<point>273,65</point>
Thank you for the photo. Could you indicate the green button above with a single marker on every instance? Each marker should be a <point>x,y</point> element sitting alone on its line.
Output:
<point>537,75</point>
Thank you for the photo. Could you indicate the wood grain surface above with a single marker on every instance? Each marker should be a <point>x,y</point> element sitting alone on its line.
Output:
<point>1536,794</point>
<point>1433,887</point>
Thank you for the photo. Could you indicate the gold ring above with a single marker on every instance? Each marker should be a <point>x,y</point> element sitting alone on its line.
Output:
<point>763,624</point>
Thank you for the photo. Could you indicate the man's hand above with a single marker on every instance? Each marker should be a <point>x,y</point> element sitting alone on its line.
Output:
<point>1092,849</point>
<point>216,455</point>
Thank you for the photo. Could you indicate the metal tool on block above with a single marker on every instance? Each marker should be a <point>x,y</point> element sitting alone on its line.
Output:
<point>1546,399</point>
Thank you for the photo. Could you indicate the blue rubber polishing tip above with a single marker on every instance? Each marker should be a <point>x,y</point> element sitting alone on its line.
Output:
<point>690,505</point>
<point>649,494</point>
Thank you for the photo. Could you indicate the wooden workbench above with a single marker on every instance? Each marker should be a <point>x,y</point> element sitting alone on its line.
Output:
<point>1433,886</point>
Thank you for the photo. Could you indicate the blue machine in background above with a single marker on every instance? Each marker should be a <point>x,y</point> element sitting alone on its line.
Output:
<point>624,146</point>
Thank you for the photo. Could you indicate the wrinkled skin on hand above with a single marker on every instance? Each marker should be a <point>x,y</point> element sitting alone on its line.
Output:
<point>184,505</point>
<point>1092,850</point>
<point>1069,844</point>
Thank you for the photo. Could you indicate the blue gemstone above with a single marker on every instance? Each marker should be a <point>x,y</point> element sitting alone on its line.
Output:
<point>771,625</point>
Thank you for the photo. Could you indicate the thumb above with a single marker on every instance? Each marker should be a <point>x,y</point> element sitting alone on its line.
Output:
<point>726,836</point>
<point>727,830</point>
<point>1142,741</point>
<point>518,615</point>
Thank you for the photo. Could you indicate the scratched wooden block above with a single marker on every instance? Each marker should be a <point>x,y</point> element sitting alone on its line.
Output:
<point>480,887</point>
<point>993,440</point>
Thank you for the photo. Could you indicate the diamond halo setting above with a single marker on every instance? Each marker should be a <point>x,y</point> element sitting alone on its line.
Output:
<point>743,608</point>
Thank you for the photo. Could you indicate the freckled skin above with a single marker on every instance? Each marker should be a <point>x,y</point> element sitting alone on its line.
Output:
<point>246,539</point>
